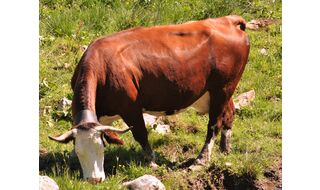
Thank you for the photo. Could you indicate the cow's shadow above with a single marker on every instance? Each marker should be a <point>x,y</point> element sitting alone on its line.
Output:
<point>57,163</point>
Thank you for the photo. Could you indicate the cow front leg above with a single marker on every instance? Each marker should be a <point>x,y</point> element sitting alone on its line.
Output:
<point>205,154</point>
<point>140,134</point>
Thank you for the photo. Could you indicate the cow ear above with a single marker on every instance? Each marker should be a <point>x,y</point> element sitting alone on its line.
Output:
<point>63,138</point>
<point>112,138</point>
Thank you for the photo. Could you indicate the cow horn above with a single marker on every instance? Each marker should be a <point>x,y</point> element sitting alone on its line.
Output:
<point>112,129</point>
<point>63,138</point>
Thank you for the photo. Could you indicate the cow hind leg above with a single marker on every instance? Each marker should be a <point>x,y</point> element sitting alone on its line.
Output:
<point>228,117</point>
<point>140,134</point>
<point>225,142</point>
<point>218,101</point>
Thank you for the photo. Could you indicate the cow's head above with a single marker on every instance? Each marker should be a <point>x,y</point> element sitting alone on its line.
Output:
<point>89,147</point>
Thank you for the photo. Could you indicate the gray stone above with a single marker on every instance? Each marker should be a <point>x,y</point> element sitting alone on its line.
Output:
<point>83,47</point>
<point>244,99</point>
<point>263,51</point>
<point>46,183</point>
<point>156,124</point>
<point>149,119</point>
<point>64,103</point>
<point>145,182</point>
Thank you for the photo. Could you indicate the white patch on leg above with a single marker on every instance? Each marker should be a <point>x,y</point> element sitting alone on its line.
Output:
<point>226,144</point>
<point>227,133</point>
<point>205,154</point>
<point>210,147</point>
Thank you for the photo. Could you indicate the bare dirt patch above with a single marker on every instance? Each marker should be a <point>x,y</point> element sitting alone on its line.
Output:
<point>273,177</point>
<point>214,178</point>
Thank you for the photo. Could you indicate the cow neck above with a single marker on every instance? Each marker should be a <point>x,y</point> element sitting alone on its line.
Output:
<point>85,116</point>
<point>85,93</point>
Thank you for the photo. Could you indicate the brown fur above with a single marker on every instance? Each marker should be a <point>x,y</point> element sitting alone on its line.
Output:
<point>110,137</point>
<point>163,68</point>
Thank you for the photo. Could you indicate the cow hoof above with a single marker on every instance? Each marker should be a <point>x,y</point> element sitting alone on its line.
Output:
<point>225,151</point>
<point>225,148</point>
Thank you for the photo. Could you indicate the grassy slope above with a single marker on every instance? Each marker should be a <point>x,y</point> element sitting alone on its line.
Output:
<point>66,25</point>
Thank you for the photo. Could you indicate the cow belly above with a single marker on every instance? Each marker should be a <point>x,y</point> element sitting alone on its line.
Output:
<point>107,120</point>
<point>163,113</point>
<point>201,105</point>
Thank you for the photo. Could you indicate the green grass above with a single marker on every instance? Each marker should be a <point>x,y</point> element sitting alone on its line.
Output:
<point>66,25</point>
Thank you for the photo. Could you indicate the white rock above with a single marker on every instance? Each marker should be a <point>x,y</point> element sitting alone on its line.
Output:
<point>237,106</point>
<point>51,38</point>
<point>145,182</point>
<point>83,47</point>
<point>263,51</point>
<point>47,110</point>
<point>162,129</point>
<point>244,99</point>
<point>64,103</point>
<point>46,183</point>
<point>153,121</point>
<point>149,119</point>
<point>66,66</point>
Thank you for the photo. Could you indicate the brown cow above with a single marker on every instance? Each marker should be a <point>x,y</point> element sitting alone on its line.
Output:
<point>160,69</point>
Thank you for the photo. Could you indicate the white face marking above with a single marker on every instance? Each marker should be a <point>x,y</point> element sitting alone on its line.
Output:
<point>90,151</point>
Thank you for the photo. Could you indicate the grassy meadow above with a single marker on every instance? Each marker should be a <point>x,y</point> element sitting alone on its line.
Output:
<point>68,25</point>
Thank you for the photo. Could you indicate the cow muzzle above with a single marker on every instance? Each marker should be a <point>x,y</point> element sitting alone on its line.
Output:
<point>95,180</point>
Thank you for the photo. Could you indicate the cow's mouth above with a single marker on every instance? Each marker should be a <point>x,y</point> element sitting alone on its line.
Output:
<point>94,180</point>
